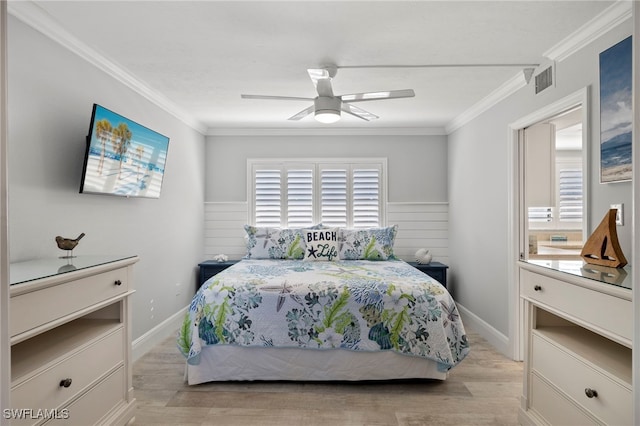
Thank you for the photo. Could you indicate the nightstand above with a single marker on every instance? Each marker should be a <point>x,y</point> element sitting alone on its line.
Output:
<point>209,268</point>
<point>435,270</point>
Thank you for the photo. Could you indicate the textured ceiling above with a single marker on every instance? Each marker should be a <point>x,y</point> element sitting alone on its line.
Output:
<point>202,55</point>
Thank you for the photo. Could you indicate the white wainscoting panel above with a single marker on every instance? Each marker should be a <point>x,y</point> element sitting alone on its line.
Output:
<point>420,225</point>
<point>224,229</point>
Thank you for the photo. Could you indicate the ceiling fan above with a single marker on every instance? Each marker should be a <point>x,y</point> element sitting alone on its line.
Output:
<point>327,106</point>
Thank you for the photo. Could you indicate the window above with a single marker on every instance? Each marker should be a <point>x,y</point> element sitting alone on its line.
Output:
<point>567,214</point>
<point>570,194</point>
<point>299,193</point>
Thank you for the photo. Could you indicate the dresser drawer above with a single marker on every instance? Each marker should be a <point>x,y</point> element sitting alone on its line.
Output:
<point>30,310</point>
<point>613,403</point>
<point>606,312</point>
<point>43,390</point>
<point>90,409</point>
<point>554,407</point>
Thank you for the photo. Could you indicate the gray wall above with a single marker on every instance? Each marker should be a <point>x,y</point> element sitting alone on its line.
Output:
<point>417,164</point>
<point>51,92</point>
<point>478,193</point>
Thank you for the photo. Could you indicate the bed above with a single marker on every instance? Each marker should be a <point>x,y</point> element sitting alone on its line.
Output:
<point>293,319</point>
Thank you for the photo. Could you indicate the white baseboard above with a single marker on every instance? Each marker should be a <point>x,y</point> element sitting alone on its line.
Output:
<point>157,334</point>
<point>496,339</point>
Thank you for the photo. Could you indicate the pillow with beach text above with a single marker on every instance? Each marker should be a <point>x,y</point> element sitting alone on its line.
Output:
<point>321,244</point>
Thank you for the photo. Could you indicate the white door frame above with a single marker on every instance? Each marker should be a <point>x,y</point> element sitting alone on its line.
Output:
<point>516,309</point>
<point>635,249</point>
<point>5,347</point>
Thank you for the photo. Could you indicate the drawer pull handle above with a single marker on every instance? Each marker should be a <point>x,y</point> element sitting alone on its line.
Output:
<point>118,282</point>
<point>537,288</point>
<point>591,393</point>
<point>65,383</point>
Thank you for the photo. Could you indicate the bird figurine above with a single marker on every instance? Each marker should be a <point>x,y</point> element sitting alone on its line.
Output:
<point>68,244</point>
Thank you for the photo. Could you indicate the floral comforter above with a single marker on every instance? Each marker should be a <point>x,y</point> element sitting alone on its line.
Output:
<point>355,305</point>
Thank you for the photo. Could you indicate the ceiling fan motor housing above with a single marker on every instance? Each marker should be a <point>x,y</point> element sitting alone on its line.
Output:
<point>327,105</point>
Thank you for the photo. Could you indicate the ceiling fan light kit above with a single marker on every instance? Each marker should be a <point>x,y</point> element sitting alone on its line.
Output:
<point>327,109</point>
<point>327,116</point>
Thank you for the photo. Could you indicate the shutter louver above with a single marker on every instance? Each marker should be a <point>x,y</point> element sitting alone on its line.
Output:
<point>540,214</point>
<point>366,198</point>
<point>570,200</point>
<point>299,198</point>
<point>268,199</point>
<point>334,197</point>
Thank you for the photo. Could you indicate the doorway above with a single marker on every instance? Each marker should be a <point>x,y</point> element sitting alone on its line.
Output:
<point>554,188</point>
<point>555,117</point>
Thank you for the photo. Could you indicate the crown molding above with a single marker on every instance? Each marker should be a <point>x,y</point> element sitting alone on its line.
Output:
<point>611,17</point>
<point>326,131</point>
<point>508,88</point>
<point>34,16</point>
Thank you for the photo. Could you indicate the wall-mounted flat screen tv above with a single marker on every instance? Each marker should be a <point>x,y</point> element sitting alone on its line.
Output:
<point>122,157</point>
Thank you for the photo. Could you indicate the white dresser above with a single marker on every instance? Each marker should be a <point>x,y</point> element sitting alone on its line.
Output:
<point>578,339</point>
<point>70,325</point>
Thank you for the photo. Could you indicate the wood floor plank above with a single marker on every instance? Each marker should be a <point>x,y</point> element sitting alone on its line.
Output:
<point>296,416</point>
<point>484,389</point>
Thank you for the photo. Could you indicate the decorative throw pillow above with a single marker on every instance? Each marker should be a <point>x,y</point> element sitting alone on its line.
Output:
<point>321,244</point>
<point>274,243</point>
<point>368,243</point>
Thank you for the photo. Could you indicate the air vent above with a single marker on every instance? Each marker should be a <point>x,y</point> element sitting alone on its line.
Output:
<point>544,79</point>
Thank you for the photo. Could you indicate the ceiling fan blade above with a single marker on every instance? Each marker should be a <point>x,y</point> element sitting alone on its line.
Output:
<point>302,114</point>
<point>372,96</point>
<point>277,98</point>
<point>358,112</point>
<point>322,81</point>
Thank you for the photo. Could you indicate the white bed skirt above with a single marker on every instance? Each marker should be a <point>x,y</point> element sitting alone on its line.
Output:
<point>225,363</point>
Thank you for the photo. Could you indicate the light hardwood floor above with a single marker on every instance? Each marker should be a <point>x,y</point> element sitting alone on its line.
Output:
<point>483,390</point>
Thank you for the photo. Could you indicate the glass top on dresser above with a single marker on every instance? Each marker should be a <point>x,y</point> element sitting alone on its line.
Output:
<point>30,270</point>
<point>620,277</point>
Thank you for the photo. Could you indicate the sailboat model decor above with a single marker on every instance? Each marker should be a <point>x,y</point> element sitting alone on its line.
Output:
<point>602,247</point>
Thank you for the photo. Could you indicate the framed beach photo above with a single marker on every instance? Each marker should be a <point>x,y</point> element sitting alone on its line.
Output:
<point>616,116</point>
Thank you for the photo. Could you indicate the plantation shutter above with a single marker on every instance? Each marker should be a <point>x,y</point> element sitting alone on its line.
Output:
<point>540,214</point>
<point>570,196</point>
<point>268,200</point>
<point>366,197</point>
<point>299,194</point>
<point>334,197</point>
<point>299,198</point>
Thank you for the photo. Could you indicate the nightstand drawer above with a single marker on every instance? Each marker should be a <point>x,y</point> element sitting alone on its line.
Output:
<point>436,270</point>
<point>210,268</point>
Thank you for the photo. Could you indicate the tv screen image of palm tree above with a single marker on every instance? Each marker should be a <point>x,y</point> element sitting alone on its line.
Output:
<point>124,157</point>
